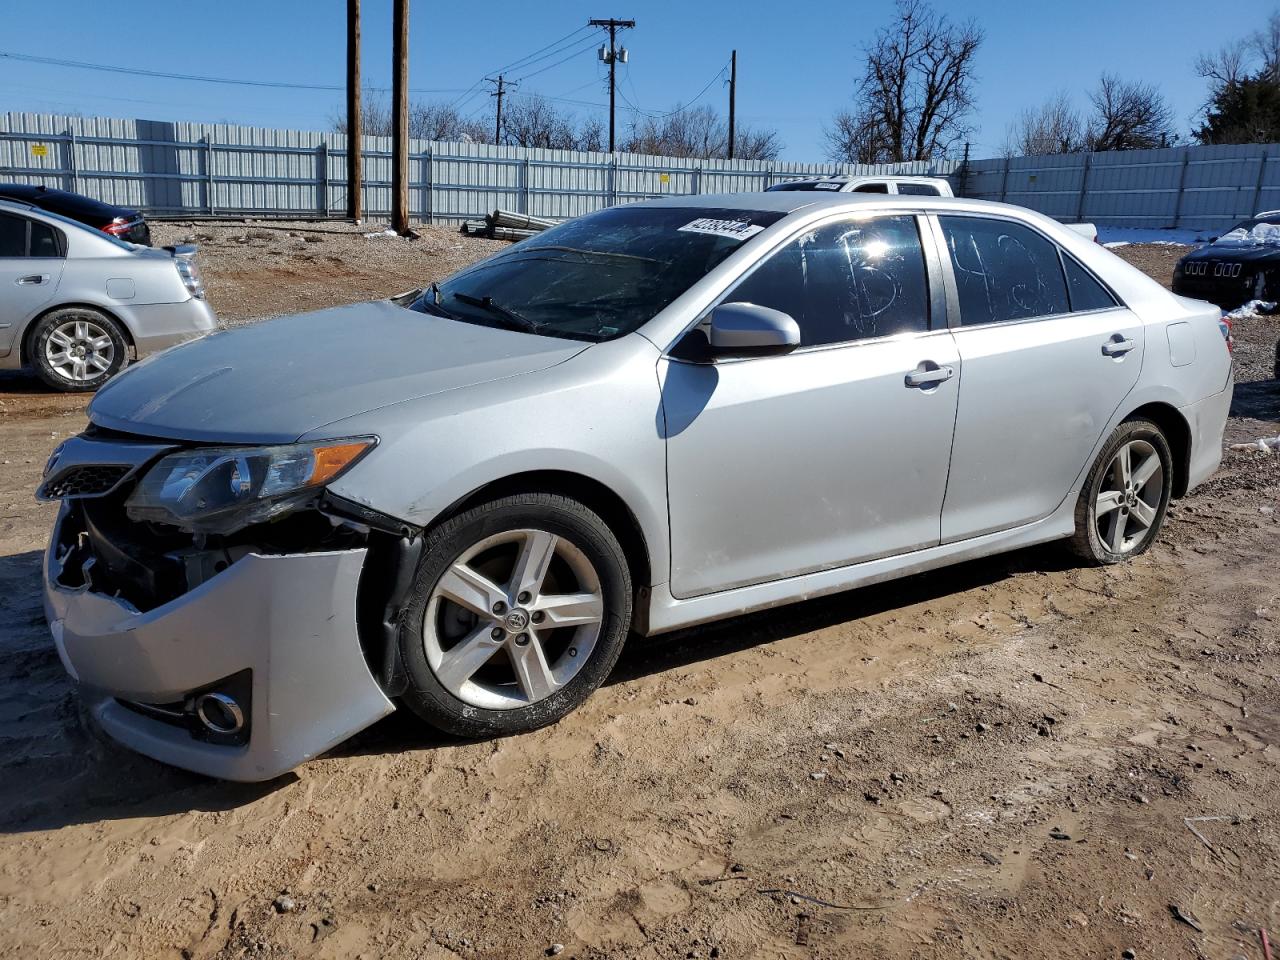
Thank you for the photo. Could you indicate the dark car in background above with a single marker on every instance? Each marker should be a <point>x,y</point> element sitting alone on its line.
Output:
<point>120,222</point>
<point>1240,266</point>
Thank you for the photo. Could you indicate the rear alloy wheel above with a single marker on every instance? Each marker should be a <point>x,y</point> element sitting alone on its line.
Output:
<point>518,612</point>
<point>1126,494</point>
<point>77,348</point>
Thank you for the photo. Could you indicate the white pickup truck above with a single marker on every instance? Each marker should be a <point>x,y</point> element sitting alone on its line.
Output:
<point>917,186</point>
<point>899,186</point>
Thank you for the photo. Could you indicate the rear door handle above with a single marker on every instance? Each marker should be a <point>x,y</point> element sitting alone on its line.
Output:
<point>1117,346</point>
<point>33,279</point>
<point>929,374</point>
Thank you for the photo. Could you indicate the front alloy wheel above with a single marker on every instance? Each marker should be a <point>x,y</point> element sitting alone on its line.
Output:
<point>518,612</point>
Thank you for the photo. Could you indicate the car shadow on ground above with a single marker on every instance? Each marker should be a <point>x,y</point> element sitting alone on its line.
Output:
<point>1258,399</point>
<point>59,770</point>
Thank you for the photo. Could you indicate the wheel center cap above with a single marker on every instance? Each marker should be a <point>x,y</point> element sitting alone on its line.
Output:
<point>516,620</point>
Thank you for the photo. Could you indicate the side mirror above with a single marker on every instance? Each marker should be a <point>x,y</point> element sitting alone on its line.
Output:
<point>744,329</point>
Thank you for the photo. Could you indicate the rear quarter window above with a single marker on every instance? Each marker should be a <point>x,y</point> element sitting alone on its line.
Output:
<point>1085,291</point>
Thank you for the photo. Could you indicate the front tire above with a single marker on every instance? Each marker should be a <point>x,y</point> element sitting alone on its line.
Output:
<point>1123,502</point>
<point>78,349</point>
<point>518,612</point>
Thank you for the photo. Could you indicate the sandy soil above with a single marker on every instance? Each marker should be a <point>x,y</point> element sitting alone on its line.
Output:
<point>993,761</point>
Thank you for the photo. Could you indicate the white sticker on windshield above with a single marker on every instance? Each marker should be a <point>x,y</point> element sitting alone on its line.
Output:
<point>737,229</point>
<point>827,186</point>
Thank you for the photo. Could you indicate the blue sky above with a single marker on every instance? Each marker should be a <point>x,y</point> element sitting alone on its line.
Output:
<point>795,64</point>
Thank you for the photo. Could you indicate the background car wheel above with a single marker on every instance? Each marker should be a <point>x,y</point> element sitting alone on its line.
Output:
<point>518,611</point>
<point>78,348</point>
<point>1125,495</point>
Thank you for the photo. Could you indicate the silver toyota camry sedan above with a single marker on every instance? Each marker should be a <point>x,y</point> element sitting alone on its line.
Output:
<point>464,501</point>
<point>76,303</point>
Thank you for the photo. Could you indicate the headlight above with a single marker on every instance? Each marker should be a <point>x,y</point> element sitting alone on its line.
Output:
<point>222,489</point>
<point>190,275</point>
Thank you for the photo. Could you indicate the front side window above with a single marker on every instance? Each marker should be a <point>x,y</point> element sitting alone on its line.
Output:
<point>597,277</point>
<point>845,281</point>
<point>1004,271</point>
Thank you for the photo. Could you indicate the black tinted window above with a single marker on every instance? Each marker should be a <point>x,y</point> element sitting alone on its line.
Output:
<point>1086,292</point>
<point>917,189</point>
<point>44,241</point>
<point>1004,271</point>
<point>871,188</point>
<point>846,281</point>
<point>13,236</point>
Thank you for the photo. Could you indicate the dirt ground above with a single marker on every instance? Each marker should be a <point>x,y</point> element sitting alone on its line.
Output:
<point>1013,758</point>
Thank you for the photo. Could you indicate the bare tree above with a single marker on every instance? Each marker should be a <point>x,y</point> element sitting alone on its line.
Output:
<point>915,95</point>
<point>1053,127</point>
<point>699,132</point>
<point>428,120</point>
<point>1243,103</point>
<point>1129,115</point>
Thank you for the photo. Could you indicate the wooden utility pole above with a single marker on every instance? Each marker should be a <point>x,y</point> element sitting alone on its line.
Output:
<point>354,121</point>
<point>611,58</point>
<point>499,93</point>
<point>733,96</point>
<point>400,117</point>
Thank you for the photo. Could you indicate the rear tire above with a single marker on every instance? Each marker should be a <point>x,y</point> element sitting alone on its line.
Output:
<point>77,349</point>
<point>517,613</point>
<point>1125,495</point>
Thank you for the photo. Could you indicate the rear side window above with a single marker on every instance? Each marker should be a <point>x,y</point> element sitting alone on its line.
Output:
<point>846,281</point>
<point>13,236</point>
<point>44,241</point>
<point>1086,292</point>
<point>871,188</point>
<point>917,190</point>
<point>1004,271</point>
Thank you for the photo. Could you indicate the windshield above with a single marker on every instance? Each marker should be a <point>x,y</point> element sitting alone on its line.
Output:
<point>1253,232</point>
<point>597,277</point>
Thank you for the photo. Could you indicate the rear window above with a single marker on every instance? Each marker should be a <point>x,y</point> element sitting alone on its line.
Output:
<point>918,189</point>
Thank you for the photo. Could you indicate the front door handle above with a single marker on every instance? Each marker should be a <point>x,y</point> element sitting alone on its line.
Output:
<point>1117,346</point>
<point>33,279</point>
<point>929,374</point>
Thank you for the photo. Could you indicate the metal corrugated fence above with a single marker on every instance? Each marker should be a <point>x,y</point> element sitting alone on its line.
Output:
<point>191,169</point>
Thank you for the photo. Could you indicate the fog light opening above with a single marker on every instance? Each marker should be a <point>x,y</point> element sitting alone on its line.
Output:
<point>219,713</point>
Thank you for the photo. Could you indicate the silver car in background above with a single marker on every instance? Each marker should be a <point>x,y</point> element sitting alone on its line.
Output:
<point>76,303</point>
<point>464,501</point>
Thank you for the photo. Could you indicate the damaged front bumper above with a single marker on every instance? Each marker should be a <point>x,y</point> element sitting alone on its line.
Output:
<point>274,633</point>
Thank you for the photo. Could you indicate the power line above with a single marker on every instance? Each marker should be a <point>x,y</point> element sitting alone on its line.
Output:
<point>578,51</point>
<point>191,77</point>
<point>526,60</point>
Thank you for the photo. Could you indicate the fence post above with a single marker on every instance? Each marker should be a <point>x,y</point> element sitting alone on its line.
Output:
<point>208,174</point>
<point>1257,190</point>
<point>613,180</point>
<point>71,161</point>
<point>322,180</point>
<point>697,178</point>
<point>524,186</point>
<point>1004,180</point>
<point>1182,185</point>
<point>768,178</point>
<point>429,185</point>
<point>1084,186</point>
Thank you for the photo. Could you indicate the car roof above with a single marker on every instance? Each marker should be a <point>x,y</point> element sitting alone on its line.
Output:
<point>789,201</point>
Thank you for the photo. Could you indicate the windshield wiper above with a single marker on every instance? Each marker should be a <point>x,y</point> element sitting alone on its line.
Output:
<point>513,320</point>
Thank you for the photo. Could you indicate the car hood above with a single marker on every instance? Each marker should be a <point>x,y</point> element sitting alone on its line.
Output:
<point>272,382</point>
<point>1246,252</point>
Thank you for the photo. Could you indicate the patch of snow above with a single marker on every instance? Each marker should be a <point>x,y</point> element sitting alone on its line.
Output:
<point>1123,236</point>
<point>1261,445</point>
<point>1252,308</point>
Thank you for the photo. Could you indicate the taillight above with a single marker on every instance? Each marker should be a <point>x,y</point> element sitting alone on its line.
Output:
<point>118,227</point>
<point>1224,324</point>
